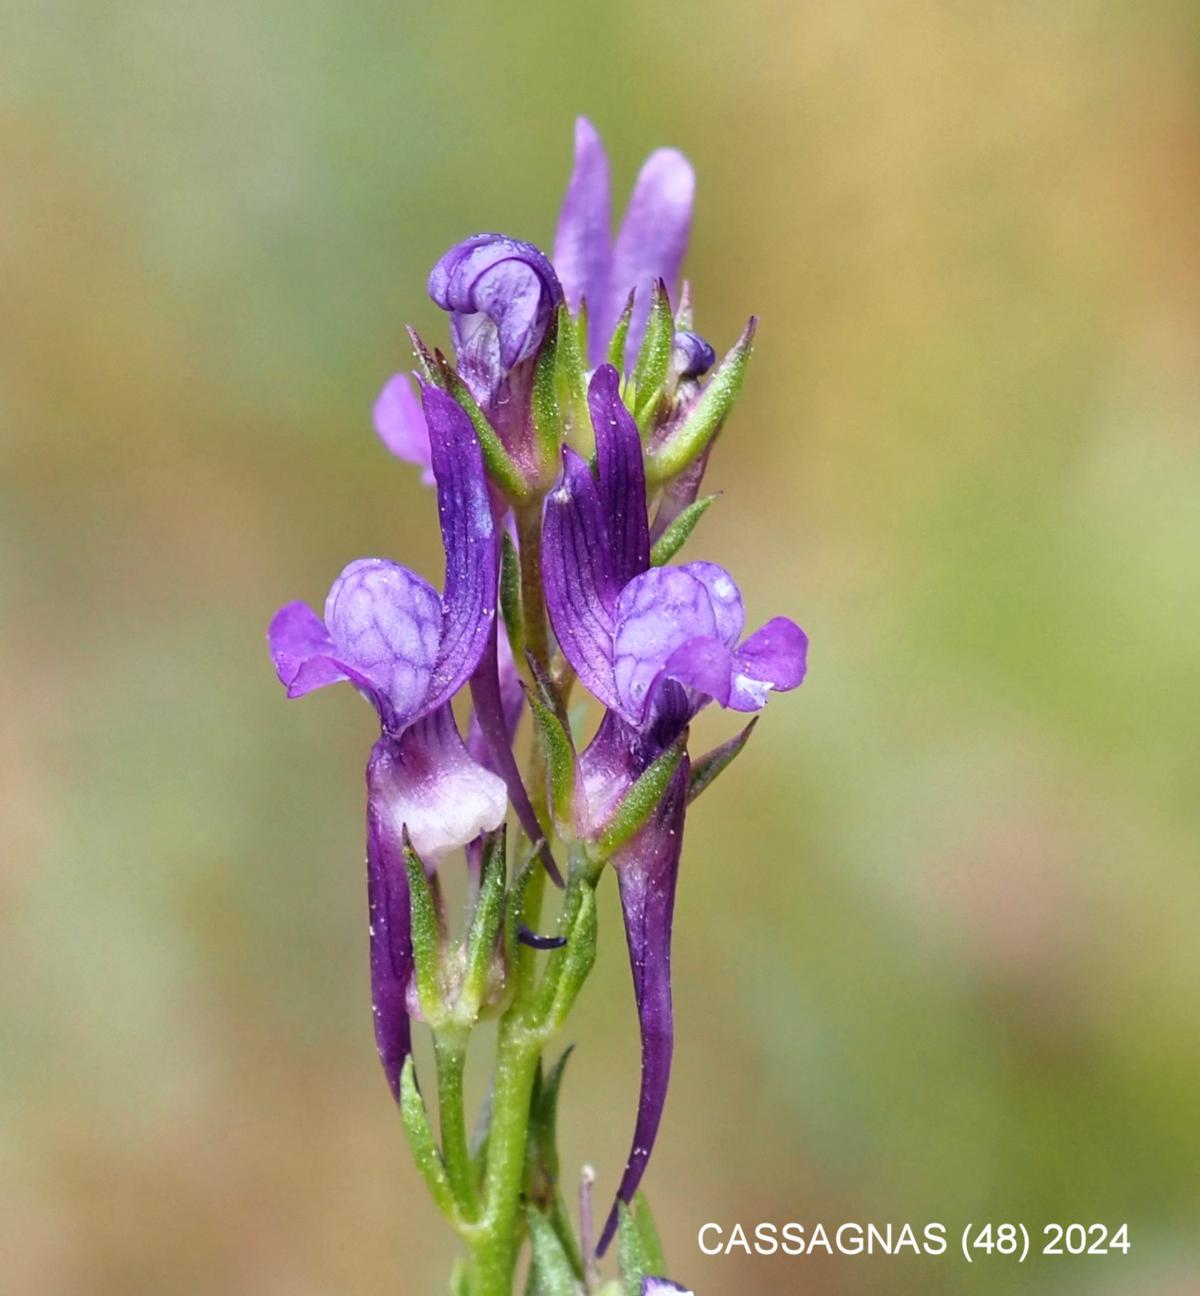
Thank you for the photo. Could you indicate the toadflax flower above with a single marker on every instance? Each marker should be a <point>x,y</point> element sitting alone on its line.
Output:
<point>386,631</point>
<point>654,644</point>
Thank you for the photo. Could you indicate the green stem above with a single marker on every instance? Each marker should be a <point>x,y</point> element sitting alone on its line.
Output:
<point>450,1054</point>
<point>533,603</point>
<point>494,1248</point>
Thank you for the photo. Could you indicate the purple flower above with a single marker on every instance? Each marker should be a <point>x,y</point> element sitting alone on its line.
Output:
<point>664,1287</point>
<point>650,244</point>
<point>501,295</point>
<point>654,645</point>
<point>408,652</point>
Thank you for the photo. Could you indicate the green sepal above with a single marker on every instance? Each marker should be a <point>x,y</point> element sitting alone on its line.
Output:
<point>485,926</point>
<point>547,694</point>
<point>510,596</point>
<point>616,344</point>
<point>555,1274</point>
<point>633,1257</point>
<point>560,761</point>
<point>643,1220</point>
<point>653,358</point>
<point>639,802</point>
<point>675,536</point>
<point>426,935</point>
<point>708,766</point>
<point>542,1163</point>
<point>545,407</point>
<point>500,465</point>
<point>688,441</point>
<point>425,361</point>
<point>578,956</point>
<point>514,906</point>
<point>422,1143</point>
<point>572,385</point>
<point>543,1116</point>
<point>683,316</point>
<point>583,321</point>
<point>460,1282</point>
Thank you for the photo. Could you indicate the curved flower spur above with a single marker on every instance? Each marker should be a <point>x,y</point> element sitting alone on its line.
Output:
<point>568,437</point>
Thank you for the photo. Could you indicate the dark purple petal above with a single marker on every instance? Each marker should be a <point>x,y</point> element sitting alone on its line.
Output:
<point>385,623</point>
<point>652,240</point>
<point>490,715</point>
<point>581,591</point>
<point>775,657</point>
<point>501,295</point>
<point>400,423</point>
<point>430,785</point>
<point>657,613</point>
<point>469,537</point>
<point>302,650</point>
<point>390,922</point>
<point>583,243</point>
<point>622,476</point>
<point>647,869</point>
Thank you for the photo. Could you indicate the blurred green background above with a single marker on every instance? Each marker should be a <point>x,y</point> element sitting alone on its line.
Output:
<point>936,945</point>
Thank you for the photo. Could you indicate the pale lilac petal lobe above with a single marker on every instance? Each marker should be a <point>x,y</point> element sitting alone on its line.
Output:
<point>705,666</point>
<point>583,242</point>
<point>389,919</point>
<point>581,591</point>
<point>469,538</point>
<point>664,1287</point>
<point>400,424</point>
<point>653,238</point>
<point>774,658</point>
<point>385,624</point>
<point>725,597</point>
<point>657,613</point>
<point>433,787</point>
<point>622,475</point>
<point>301,650</point>
<point>647,871</point>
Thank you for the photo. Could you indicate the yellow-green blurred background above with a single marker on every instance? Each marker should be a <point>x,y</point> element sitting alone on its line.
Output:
<point>936,947</point>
